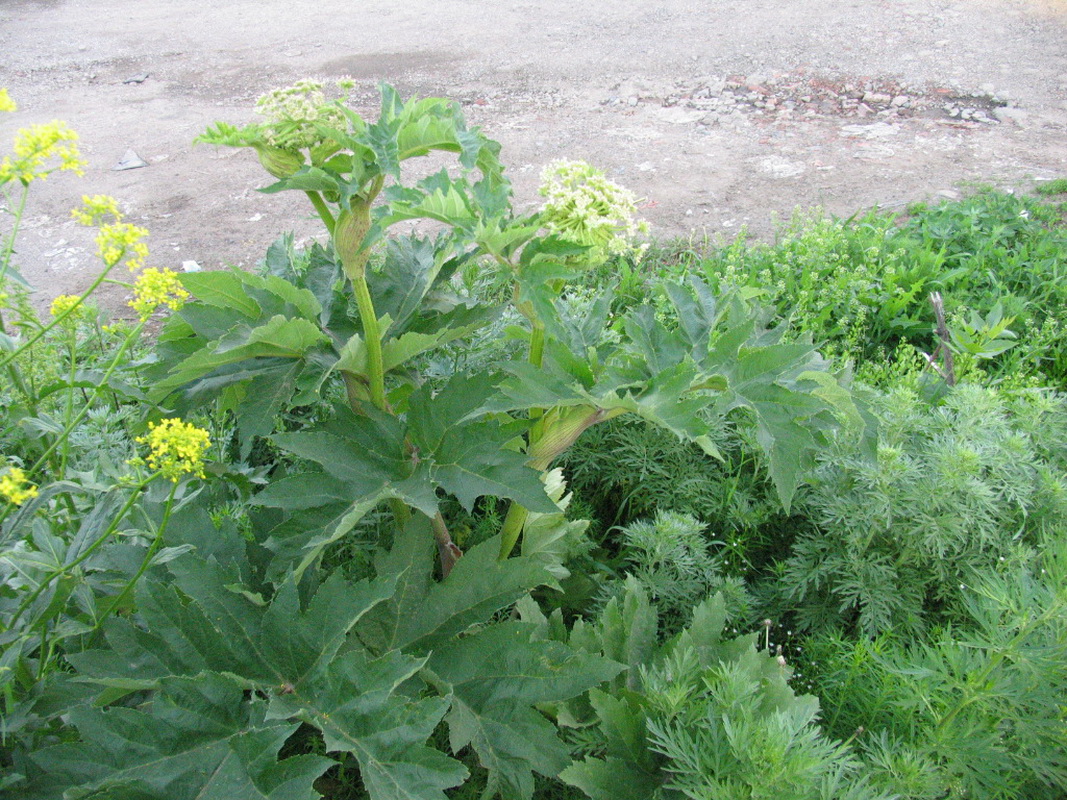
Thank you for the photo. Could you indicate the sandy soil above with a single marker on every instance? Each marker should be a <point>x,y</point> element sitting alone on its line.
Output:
<point>721,114</point>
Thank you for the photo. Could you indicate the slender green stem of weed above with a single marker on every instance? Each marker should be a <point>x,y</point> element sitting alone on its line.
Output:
<point>69,410</point>
<point>9,245</point>
<point>1011,649</point>
<point>59,319</point>
<point>5,260</point>
<point>97,391</point>
<point>152,549</point>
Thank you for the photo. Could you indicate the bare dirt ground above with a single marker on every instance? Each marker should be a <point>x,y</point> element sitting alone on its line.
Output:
<point>720,114</point>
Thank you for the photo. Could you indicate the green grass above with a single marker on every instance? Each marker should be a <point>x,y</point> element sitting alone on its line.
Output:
<point>1049,188</point>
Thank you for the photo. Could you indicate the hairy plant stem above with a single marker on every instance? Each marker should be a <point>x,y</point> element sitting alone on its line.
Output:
<point>323,210</point>
<point>560,428</point>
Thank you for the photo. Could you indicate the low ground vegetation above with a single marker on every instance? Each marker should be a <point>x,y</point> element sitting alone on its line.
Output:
<point>529,507</point>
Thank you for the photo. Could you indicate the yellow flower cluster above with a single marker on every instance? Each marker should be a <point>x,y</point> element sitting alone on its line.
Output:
<point>15,488</point>
<point>68,303</point>
<point>97,209</point>
<point>36,147</point>
<point>6,103</point>
<point>119,240</point>
<point>177,448</point>
<point>155,288</point>
<point>115,239</point>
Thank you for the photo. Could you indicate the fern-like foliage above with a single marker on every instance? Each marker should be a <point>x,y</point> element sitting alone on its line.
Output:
<point>953,489</point>
<point>700,716</point>
<point>976,711</point>
<point>673,560</point>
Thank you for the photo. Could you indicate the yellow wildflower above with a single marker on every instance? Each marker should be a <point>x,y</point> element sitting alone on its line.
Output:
<point>68,302</point>
<point>15,488</point>
<point>35,146</point>
<point>96,208</point>
<point>6,103</point>
<point>121,239</point>
<point>177,448</point>
<point>155,288</point>
<point>116,239</point>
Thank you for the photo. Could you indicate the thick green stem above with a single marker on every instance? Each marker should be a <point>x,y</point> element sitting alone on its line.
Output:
<point>512,527</point>
<point>447,551</point>
<point>536,357</point>
<point>349,236</point>
<point>323,210</point>
<point>372,337</point>
<point>401,512</point>
<point>537,344</point>
<point>561,428</point>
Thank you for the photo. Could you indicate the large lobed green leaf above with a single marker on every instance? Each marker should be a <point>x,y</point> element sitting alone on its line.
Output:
<point>681,370</point>
<point>494,674</point>
<point>199,739</point>
<point>204,644</point>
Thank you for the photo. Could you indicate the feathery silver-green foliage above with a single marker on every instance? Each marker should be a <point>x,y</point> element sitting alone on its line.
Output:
<point>703,717</point>
<point>977,710</point>
<point>953,490</point>
<point>674,561</point>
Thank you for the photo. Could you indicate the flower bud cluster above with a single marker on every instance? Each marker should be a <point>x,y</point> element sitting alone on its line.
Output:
<point>583,206</point>
<point>293,113</point>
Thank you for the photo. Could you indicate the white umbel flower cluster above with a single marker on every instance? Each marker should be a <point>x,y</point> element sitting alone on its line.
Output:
<point>583,206</point>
